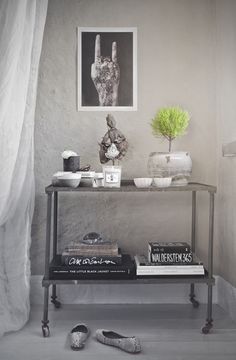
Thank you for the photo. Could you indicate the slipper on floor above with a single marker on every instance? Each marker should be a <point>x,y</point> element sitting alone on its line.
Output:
<point>128,344</point>
<point>78,336</point>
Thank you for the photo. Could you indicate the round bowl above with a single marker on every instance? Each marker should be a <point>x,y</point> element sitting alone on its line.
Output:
<point>74,183</point>
<point>143,182</point>
<point>86,178</point>
<point>162,182</point>
<point>67,179</point>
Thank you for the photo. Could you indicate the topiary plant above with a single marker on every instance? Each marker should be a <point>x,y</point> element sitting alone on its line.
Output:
<point>170,123</point>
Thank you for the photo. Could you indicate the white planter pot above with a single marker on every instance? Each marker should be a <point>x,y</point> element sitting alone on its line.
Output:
<point>177,165</point>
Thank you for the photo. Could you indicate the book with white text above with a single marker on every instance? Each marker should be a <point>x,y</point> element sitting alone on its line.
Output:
<point>144,268</point>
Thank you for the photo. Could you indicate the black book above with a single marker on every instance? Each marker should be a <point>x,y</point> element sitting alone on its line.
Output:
<point>125,270</point>
<point>169,247</point>
<point>96,260</point>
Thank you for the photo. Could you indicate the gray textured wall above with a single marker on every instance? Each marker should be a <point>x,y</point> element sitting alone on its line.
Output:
<point>176,65</point>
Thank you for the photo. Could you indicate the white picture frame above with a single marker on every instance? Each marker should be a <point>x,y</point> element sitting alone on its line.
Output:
<point>105,88</point>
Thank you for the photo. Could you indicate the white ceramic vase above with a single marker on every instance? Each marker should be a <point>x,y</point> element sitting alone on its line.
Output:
<point>177,165</point>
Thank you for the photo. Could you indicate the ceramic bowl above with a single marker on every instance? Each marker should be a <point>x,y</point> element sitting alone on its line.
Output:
<point>67,179</point>
<point>162,182</point>
<point>143,182</point>
<point>86,178</point>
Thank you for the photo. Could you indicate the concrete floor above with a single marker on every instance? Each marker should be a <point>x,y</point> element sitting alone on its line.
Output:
<point>166,332</point>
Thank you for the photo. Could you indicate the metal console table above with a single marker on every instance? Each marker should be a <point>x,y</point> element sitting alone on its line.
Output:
<point>128,186</point>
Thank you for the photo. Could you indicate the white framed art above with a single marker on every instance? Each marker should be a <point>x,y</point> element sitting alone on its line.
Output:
<point>107,69</point>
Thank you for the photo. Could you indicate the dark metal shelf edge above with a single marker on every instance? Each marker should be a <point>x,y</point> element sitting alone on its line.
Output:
<point>128,185</point>
<point>137,280</point>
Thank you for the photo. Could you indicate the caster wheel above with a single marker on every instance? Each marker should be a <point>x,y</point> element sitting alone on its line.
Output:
<point>206,329</point>
<point>57,304</point>
<point>45,331</point>
<point>195,303</point>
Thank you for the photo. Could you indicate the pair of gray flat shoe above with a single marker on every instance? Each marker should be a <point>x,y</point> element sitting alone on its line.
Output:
<point>80,333</point>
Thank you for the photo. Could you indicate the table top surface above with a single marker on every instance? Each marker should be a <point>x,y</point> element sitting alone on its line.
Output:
<point>128,186</point>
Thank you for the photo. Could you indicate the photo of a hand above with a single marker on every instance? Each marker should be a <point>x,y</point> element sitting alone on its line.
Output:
<point>107,69</point>
<point>105,73</point>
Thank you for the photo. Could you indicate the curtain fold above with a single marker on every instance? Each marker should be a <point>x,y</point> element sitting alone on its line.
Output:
<point>21,34</point>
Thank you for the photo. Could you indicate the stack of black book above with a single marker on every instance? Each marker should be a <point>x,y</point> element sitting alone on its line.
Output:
<point>92,261</point>
<point>175,258</point>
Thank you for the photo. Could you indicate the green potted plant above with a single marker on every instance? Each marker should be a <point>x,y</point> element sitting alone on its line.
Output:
<point>170,123</point>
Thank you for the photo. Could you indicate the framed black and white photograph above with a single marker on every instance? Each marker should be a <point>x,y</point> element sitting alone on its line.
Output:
<point>107,69</point>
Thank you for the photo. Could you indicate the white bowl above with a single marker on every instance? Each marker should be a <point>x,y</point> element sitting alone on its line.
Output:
<point>86,178</point>
<point>74,183</point>
<point>162,182</point>
<point>143,182</point>
<point>67,179</point>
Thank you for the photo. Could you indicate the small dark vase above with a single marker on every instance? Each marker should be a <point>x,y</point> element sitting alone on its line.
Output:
<point>72,163</point>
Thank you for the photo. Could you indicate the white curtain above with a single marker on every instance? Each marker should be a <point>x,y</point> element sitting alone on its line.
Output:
<point>21,33</point>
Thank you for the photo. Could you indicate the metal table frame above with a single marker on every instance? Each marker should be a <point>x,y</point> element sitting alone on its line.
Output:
<point>128,186</point>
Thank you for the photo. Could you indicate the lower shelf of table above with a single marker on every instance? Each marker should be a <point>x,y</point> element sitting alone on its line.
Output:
<point>136,280</point>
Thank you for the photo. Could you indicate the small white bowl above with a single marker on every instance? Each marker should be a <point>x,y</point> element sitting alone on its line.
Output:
<point>162,182</point>
<point>143,182</point>
<point>86,178</point>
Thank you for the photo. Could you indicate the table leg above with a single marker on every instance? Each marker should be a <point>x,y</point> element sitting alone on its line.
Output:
<point>45,327</point>
<point>54,300</point>
<point>45,321</point>
<point>193,240</point>
<point>209,320</point>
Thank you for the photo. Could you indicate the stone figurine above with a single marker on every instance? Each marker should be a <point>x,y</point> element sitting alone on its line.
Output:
<point>114,144</point>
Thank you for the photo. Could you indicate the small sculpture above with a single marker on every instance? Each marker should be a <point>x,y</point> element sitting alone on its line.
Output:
<point>114,144</point>
<point>92,238</point>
